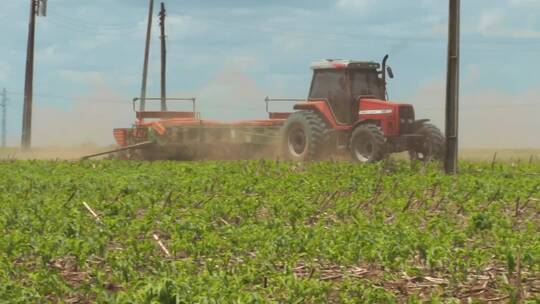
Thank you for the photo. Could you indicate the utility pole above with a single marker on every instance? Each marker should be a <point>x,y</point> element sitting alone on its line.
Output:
<point>162,15</point>
<point>146,55</point>
<point>37,7</point>
<point>452,89</point>
<point>4,116</point>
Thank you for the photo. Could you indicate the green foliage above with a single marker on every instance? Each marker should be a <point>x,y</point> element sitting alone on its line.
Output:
<point>481,221</point>
<point>261,231</point>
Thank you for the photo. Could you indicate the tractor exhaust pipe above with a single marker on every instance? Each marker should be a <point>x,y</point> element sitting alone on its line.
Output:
<point>383,68</point>
<point>383,73</point>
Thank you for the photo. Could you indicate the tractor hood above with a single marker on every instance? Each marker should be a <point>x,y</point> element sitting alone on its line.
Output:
<point>390,114</point>
<point>366,104</point>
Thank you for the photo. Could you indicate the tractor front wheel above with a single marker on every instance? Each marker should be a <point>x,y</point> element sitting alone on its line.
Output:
<point>431,147</point>
<point>367,144</point>
<point>303,136</point>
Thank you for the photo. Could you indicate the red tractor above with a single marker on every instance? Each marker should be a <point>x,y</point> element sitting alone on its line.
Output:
<point>347,109</point>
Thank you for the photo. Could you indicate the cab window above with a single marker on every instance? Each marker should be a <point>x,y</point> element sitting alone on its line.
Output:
<point>332,85</point>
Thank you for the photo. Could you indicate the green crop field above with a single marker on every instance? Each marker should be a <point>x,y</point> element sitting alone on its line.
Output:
<point>264,231</point>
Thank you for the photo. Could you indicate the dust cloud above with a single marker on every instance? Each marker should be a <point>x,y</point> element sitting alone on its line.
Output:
<point>489,118</point>
<point>85,126</point>
<point>231,95</point>
<point>89,121</point>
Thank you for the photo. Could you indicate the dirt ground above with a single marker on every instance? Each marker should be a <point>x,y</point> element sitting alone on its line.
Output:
<point>501,154</point>
<point>51,153</point>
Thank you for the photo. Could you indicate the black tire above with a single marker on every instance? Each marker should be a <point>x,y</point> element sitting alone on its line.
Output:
<point>431,148</point>
<point>367,144</point>
<point>303,136</point>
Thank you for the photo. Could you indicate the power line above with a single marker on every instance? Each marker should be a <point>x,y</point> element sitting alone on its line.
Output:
<point>349,36</point>
<point>78,29</point>
<point>254,106</point>
<point>77,25</point>
<point>84,23</point>
<point>72,98</point>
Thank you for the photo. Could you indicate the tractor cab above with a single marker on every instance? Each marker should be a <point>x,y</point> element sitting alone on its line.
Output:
<point>342,83</point>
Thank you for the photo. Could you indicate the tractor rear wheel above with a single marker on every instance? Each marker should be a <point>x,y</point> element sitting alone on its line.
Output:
<point>303,136</point>
<point>367,144</point>
<point>431,148</point>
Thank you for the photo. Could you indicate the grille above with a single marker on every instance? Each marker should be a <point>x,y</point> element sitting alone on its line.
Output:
<point>406,119</point>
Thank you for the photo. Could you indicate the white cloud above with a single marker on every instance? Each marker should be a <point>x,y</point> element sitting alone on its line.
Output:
<point>176,27</point>
<point>81,77</point>
<point>5,70</point>
<point>491,21</point>
<point>182,26</point>
<point>98,41</point>
<point>244,62</point>
<point>497,22</point>
<point>52,55</point>
<point>47,54</point>
<point>290,41</point>
<point>232,94</point>
<point>525,2</point>
<point>354,4</point>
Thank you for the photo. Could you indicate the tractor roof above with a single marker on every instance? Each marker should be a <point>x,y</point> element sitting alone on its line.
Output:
<point>339,64</point>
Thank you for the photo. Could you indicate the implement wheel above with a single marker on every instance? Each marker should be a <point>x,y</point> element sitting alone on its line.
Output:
<point>367,144</point>
<point>303,136</point>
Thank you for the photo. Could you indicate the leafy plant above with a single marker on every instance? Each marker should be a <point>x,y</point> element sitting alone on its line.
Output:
<point>263,231</point>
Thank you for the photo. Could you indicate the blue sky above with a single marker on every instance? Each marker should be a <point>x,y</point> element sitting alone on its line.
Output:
<point>231,54</point>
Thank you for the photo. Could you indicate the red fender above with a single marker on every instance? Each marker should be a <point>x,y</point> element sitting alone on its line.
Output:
<point>325,111</point>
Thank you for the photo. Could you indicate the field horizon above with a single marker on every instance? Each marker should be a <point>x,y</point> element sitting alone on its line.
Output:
<point>78,151</point>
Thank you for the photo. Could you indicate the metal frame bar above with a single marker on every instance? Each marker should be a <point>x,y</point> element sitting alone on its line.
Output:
<point>132,147</point>
<point>267,100</point>
<point>192,99</point>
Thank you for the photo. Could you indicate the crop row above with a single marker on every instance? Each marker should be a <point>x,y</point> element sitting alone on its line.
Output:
<point>262,231</point>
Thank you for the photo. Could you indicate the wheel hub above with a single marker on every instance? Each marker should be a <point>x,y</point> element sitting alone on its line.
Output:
<point>363,151</point>
<point>297,141</point>
<point>425,151</point>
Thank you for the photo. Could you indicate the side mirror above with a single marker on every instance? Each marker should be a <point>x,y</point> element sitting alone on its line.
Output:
<point>390,72</point>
